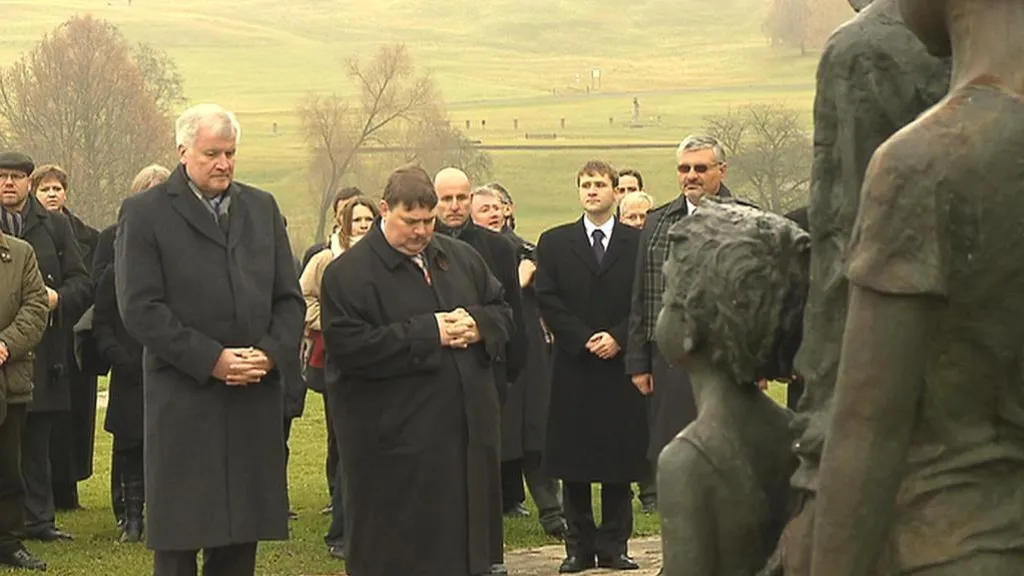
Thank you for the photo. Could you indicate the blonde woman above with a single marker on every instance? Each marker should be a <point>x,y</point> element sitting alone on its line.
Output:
<point>355,219</point>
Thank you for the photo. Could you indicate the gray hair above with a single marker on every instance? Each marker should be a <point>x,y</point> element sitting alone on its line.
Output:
<point>636,197</point>
<point>489,192</point>
<point>699,142</point>
<point>222,121</point>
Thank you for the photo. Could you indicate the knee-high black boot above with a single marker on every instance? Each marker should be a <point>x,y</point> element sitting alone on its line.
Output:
<point>135,501</point>
<point>117,488</point>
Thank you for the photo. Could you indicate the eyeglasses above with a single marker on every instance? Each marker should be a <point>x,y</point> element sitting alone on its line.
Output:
<point>698,168</point>
<point>12,176</point>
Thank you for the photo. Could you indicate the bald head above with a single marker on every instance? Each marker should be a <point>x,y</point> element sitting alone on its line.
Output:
<point>451,177</point>
<point>454,196</point>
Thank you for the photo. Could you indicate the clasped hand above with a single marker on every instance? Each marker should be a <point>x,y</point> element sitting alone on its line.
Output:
<point>603,346</point>
<point>4,353</point>
<point>242,366</point>
<point>458,329</point>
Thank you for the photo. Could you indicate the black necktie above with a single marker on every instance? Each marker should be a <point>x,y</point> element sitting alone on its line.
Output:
<point>598,236</point>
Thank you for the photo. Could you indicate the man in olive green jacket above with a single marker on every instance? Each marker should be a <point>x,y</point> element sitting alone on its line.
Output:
<point>24,313</point>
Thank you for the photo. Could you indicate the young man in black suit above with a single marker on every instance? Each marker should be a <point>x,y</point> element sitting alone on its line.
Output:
<point>597,426</point>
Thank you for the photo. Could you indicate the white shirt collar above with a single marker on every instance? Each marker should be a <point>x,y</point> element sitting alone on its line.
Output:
<point>690,206</point>
<point>607,228</point>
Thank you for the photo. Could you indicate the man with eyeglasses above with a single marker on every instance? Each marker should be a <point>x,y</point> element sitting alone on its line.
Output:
<point>69,293</point>
<point>701,167</point>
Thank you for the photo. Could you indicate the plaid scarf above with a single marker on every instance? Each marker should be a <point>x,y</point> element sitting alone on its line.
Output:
<point>655,257</point>
<point>12,223</point>
<point>656,253</point>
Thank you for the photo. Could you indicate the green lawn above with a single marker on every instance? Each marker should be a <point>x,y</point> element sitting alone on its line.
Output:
<point>95,552</point>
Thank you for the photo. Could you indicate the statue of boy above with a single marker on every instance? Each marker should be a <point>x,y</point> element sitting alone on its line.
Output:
<point>735,287</point>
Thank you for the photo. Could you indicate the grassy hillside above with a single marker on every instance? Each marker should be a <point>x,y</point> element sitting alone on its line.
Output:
<point>494,60</point>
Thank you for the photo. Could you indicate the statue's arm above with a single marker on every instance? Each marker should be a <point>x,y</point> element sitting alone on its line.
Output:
<point>879,383</point>
<point>688,516</point>
<point>898,271</point>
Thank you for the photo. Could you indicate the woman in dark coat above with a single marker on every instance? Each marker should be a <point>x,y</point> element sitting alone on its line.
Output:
<point>124,405</point>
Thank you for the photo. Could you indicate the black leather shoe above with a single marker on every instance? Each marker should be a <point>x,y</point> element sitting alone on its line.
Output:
<point>517,511</point>
<point>574,564</point>
<point>23,559</point>
<point>337,551</point>
<point>49,535</point>
<point>650,507</point>
<point>620,562</point>
<point>557,529</point>
<point>498,570</point>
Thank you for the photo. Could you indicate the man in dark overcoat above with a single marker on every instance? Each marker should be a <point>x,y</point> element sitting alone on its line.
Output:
<point>597,427</point>
<point>413,323</point>
<point>524,415</point>
<point>206,282</point>
<point>70,293</point>
<point>454,199</point>
<point>701,166</point>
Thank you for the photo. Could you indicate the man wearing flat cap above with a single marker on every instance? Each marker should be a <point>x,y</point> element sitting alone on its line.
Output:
<point>69,292</point>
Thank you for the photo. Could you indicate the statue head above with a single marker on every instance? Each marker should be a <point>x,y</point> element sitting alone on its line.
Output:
<point>859,5</point>
<point>735,287</point>
<point>927,19</point>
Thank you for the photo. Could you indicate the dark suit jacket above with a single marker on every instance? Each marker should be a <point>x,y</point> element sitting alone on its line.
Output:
<point>500,255</point>
<point>597,426</point>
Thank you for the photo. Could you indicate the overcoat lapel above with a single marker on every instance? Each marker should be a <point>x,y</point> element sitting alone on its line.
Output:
<point>616,248</point>
<point>236,218</point>
<point>191,209</point>
<point>582,248</point>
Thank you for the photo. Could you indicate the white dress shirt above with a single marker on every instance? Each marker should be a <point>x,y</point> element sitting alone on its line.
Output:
<point>607,228</point>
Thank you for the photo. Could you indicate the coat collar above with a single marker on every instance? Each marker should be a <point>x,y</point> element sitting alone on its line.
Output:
<point>680,205</point>
<point>192,209</point>
<point>436,255</point>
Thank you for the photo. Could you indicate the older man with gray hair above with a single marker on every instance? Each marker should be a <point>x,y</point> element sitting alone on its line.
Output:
<point>701,166</point>
<point>207,284</point>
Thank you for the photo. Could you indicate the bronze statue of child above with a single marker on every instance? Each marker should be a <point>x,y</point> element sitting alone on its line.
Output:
<point>735,288</point>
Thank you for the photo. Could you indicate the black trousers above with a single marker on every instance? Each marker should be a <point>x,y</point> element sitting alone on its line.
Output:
<point>544,490</point>
<point>331,466</point>
<point>512,490</point>
<point>234,560</point>
<point>12,487</point>
<point>37,472</point>
<point>648,486</point>
<point>585,538</point>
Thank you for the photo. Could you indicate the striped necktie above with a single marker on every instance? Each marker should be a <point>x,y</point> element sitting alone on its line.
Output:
<point>421,263</point>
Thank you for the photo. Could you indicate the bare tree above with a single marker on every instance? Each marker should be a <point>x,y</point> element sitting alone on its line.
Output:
<point>770,154</point>
<point>788,22</point>
<point>436,144</point>
<point>804,24</point>
<point>79,99</point>
<point>390,94</point>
